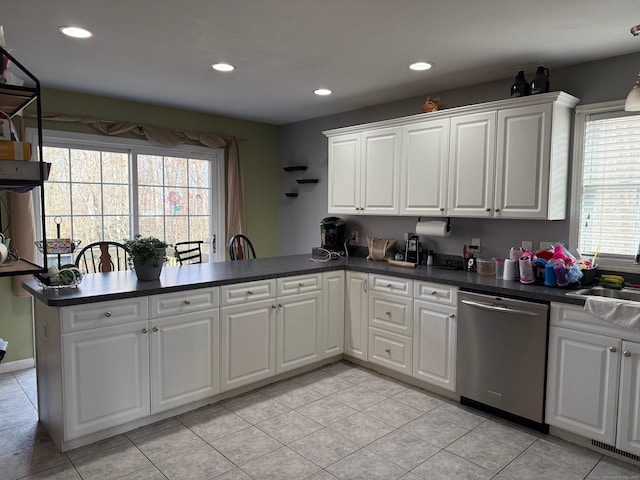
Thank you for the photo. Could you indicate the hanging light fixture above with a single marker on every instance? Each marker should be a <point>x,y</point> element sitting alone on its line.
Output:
<point>633,99</point>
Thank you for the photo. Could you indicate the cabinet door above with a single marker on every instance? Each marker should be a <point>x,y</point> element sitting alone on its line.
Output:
<point>247,343</point>
<point>425,158</point>
<point>380,171</point>
<point>184,359</point>
<point>583,403</point>
<point>344,174</point>
<point>332,313</point>
<point>434,344</point>
<point>356,314</point>
<point>298,330</point>
<point>471,165</point>
<point>629,411</point>
<point>106,377</point>
<point>390,350</point>
<point>522,165</point>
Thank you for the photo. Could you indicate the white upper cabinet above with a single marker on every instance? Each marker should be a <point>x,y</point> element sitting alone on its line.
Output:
<point>471,165</point>
<point>502,159</point>
<point>424,165</point>
<point>364,173</point>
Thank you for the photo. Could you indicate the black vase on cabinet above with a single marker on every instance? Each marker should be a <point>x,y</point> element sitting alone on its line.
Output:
<point>540,83</point>
<point>520,87</point>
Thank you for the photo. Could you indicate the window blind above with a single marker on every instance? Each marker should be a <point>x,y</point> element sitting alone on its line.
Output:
<point>610,212</point>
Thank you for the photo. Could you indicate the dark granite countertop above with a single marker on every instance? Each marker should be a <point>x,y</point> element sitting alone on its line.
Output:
<point>118,285</point>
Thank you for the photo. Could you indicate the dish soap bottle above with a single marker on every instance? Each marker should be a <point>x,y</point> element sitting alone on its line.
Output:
<point>520,87</point>
<point>540,83</point>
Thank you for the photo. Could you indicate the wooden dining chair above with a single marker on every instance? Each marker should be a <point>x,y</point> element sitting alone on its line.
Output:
<point>103,257</point>
<point>240,248</point>
<point>188,252</point>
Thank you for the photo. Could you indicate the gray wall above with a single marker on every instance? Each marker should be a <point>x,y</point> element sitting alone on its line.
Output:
<point>303,143</point>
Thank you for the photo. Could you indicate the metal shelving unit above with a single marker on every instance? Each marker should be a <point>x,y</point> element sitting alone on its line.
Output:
<point>13,100</point>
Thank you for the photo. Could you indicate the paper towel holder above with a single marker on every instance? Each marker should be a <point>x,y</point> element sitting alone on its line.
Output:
<point>448,223</point>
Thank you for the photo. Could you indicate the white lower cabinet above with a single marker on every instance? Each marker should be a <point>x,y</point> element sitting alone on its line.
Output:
<point>106,377</point>
<point>356,321</point>
<point>434,344</point>
<point>299,330</point>
<point>247,343</point>
<point>333,308</point>
<point>390,350</point>
<point>593,380</point>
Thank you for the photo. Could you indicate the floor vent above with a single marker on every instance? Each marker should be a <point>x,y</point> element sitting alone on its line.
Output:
<point>609,448</point>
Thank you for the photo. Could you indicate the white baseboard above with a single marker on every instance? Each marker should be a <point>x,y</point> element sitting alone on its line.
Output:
<point>17,365</point>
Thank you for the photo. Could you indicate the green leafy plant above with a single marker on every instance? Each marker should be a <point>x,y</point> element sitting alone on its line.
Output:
<point>142,249</point>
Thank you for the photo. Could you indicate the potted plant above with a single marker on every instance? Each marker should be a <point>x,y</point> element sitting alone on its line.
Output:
<point>147,254</point>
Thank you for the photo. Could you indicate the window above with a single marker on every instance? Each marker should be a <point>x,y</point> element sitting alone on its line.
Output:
<point>106,188</point>
<point>607,183</point>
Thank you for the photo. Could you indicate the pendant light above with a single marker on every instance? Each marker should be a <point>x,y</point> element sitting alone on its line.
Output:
<point>633,99</point>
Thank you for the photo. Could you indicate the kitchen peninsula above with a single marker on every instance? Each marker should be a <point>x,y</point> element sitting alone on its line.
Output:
<point>116,353</point>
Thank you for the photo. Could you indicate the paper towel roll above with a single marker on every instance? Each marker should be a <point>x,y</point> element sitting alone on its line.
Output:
<point>509,269</point>
<point>433,229</point>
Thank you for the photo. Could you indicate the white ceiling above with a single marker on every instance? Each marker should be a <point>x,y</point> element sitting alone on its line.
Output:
<point>161,51</point>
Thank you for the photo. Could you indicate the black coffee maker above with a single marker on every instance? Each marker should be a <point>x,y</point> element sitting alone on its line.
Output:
<point>332,234</point>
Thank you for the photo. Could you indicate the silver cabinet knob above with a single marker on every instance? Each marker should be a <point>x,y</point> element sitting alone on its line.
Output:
<point>187,302</point>
<point>389,285</point>
<point>155,329</point>
<point>441,209</point>
<point>279,305</point>
<point>301,284</point>
<point>144,330</point>
<point>388,312</point>
<point>626,353</point>
<point>388,350</point>
<point>107,314</point>
<point>274,306</point>
<point>249,292</point>
<point>452,315</point>
<point>613,349</point>
<point>497,210</point>
<point>433,292</point>
<point>487,209</point>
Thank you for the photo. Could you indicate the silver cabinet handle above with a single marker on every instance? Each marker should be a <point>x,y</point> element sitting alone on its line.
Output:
<point>107,314</point>
<point>364,286</point>
<point>626,353</point>
<point>387,350</point>
<point>613,349</point>
<point>144,330</point>
<point>155,329</point>
<point>187,302</point>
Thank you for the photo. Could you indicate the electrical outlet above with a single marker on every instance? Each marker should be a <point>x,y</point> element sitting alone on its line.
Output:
<point>546,245</point>
<point>354,236</point>
<point>526,245</point>
<point>476,243</point>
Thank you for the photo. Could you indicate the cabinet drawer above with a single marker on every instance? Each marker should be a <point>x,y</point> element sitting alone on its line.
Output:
<point>247,292</point>
<point>394,285</point>
<point>391,313</point>
<point>576,317</point>
<point>436,292</point>
<point>100,314</point>
<point>298,284</point>
<point>390,350</point>
<point>184,302</point>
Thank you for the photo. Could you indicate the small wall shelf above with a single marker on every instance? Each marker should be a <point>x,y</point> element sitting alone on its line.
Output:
<point>299,168</point>
<point>291,194</point>
<point>307,180</point>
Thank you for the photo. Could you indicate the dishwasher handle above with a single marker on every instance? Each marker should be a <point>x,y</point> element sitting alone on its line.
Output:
<point>499,308</point>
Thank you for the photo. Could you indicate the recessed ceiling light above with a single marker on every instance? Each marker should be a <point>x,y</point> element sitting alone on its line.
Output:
<point>75,32</point>
<point>421,66</point>
<point>223,67</point>
<point>322,91</point>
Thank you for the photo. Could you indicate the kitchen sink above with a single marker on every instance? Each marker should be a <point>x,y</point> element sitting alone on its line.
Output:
<point>623,294</point>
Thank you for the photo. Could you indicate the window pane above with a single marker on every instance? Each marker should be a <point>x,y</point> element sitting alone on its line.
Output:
<point>152,226</point>
<point>150,170</point>
<point>115,167</point>
<point>199,228</point>
<point>59,159</point>
<point>198,202</point>
<point>58,197</point>
<point>175,201</point>
<point>86,199</point>
<point>199,173</point>
<point>86,166</point>
<point>65,227</point>
<point>176,171</point>
<point>151,200</point>
<point>177,229</point>
<point>116,227</point>
<point>88,229</point>
<point>116,199</point>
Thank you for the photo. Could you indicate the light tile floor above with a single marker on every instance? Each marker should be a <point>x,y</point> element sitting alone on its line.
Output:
<point>337,422</point>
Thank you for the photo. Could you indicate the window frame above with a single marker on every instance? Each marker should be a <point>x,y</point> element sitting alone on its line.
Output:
<point>64,139</point>
<point>622,263</point>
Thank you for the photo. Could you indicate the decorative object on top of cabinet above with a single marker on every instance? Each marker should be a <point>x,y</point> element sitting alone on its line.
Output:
<point>520,87</point>
<point>540,83</point>
<point>431,105</point>
<point>13,177</point>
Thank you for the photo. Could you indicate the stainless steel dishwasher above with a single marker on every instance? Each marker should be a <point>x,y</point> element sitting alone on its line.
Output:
<point>501,359</point>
